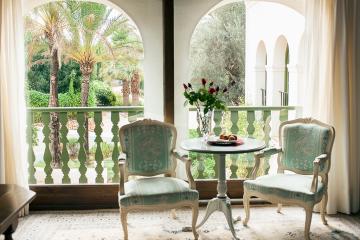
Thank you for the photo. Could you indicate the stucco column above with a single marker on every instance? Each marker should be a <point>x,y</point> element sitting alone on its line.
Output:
<point>293,84</point>
<point>260,82</point>
<point>275,83</point>
<point>295,81</point>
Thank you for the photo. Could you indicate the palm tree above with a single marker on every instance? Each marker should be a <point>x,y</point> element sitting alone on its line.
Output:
<point>135,87</point>
<point>125,91</point>
<point>95,37</point>
<point>47,26</point>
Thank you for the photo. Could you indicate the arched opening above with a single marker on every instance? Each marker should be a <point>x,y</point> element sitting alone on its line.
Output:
<point>217,49</point>
<point>85,62</point>
<point>117,52</point>
<point>260,74</point>
<point>281,72</point>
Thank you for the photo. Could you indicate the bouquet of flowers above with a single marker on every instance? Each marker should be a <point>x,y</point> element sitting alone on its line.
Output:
<point>206,98</point>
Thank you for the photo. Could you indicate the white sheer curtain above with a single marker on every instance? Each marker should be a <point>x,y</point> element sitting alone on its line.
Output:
<point>332,31</point>
<point>12,99</point>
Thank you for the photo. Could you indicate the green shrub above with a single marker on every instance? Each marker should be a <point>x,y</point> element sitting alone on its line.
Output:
<point>119,100</point>
<point>105,97</point>
<point>38,99</point>
<point>106,149</point>
<point>73,147</point>
<point>103,93</point>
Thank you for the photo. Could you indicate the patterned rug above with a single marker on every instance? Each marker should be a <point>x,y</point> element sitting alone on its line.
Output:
<point>264,223</point>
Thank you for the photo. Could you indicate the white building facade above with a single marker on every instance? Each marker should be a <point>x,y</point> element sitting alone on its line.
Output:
<point>273,53</point>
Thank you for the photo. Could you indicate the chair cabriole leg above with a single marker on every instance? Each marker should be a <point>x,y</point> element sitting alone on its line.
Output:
<point>123,216</point>
<point>323,208</point>
<point>195,213</point>
<point>308,211</point>
<point>246,199</point>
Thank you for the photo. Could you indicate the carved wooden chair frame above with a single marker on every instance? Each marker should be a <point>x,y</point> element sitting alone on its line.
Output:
<point>124,177</point>
<point>322,159</point>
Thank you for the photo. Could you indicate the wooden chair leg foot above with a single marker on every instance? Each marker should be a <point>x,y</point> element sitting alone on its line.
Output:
<point>246,200</point>
<point>308,211</point>
<point>195,213</point>
<point>123,216</point>
<point>323,208</point>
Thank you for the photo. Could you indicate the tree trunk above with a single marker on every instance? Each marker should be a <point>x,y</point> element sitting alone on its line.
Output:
<point>135,88</point>
<point>126,92</point>
<point>85,89</point>
<point>85,86</point>
<point>54,102</point>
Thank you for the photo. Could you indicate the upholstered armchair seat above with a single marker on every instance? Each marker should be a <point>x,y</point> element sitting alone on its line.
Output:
<point>288,186</point>
<point>156,190</point>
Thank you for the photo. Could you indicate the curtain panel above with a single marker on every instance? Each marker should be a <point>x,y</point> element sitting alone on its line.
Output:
<point>12,98</point>
<point>331,78</point>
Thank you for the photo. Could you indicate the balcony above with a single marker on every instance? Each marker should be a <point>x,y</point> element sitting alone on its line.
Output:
<point>99,166</point>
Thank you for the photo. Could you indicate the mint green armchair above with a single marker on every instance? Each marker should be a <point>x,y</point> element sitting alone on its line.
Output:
<point>149,146</point>
<point>305,149</point>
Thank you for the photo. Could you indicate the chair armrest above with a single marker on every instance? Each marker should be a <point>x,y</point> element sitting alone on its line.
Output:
<point>182,156</point>
<point>122,160</point>
<point>268,152</point>
<point>187,161</point>
<point>319,161</point>
<point>261,154</point>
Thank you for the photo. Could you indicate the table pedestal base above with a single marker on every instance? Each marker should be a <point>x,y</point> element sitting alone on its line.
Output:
<point>222,204</point>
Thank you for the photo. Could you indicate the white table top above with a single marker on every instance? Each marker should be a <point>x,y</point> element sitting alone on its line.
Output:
<point>197,145</point>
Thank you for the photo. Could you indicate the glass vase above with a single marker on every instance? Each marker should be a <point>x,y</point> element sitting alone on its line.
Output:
<point>205,121</point>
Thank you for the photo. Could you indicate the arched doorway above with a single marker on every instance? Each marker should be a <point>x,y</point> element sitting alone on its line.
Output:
<point>261,75</point>
<point>217,49</point>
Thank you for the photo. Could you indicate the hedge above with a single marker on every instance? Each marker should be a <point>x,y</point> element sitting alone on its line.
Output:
<point>104,95</point>
<point>39,99</point>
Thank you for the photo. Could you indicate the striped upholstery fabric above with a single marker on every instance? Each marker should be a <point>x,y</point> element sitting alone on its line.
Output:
<point>290,186</point>
<point>156,190</point>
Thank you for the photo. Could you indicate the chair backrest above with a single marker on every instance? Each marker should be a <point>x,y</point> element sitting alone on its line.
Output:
<point>302,140</point>
<point>148,145</point>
